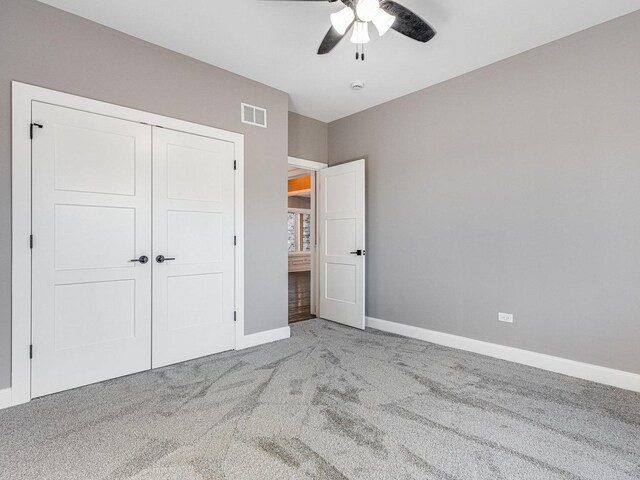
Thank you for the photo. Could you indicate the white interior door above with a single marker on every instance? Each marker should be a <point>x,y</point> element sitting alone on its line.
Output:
<point>91,202</point>
<point>342,243</point>
<point>193,229</point>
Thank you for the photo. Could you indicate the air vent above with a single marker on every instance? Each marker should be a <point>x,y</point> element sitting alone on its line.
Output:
<point>254,115</point>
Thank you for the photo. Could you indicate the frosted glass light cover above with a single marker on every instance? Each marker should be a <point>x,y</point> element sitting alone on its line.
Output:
<point>367,9</point>
<point>383,21</point>
<point>342,19</point>
<point>360,33</point>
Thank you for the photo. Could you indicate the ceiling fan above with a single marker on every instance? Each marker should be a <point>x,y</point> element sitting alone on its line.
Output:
<point>384,14</point>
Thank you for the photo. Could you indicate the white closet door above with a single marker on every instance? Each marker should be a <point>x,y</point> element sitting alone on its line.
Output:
<point>193,229</point>
<point>342,243</point>
<point>91,217</point>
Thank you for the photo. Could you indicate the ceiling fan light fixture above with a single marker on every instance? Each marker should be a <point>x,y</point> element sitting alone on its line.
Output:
<point>342,19</point>
<point>360,33</point>
<point>383,21</point>
<point>367,9</point>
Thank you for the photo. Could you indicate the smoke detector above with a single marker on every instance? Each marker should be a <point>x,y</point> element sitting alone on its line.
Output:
<point>357,85</point>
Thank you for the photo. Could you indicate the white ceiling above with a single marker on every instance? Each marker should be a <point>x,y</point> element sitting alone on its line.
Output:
<point>274,42</point>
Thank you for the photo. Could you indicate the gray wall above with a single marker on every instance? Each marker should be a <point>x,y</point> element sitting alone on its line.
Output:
<point>515,188</point>
<point>47,47</point>
<point>308,138</point>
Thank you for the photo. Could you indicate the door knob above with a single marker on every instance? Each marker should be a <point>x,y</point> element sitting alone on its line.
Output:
<point>162,259</point>
<point>360,253</point>
<point>143,259</point>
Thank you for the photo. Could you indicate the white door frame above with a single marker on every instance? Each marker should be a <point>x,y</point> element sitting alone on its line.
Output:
<point>22,97</point>
<point>314,167</point>
<point>307,164</point>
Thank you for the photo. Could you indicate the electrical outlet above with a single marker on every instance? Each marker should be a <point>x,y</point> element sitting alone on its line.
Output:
<point>505,317</point>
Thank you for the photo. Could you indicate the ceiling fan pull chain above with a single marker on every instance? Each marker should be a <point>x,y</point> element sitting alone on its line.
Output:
<point>360,51</point>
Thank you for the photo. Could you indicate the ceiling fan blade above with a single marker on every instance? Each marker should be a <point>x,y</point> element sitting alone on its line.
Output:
<point>330,40</point>
<point>407,22</point>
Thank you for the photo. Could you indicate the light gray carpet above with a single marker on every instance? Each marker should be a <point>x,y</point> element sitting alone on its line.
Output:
<point>331,402</point>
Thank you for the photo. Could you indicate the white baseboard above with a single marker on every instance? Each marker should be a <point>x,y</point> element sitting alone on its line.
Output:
<point>572,368</point>
<point>263,337</point>
<point>5,398</point>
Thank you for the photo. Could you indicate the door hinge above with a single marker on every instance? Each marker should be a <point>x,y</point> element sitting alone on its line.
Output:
<point>234,316</point>
<point>30,351</point>
<point>235,240</point>
<point>31,129</point>
<point>30,241</point>
<point>235,165</point>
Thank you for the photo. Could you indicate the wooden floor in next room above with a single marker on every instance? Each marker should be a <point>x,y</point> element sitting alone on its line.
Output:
<point>299,296</point>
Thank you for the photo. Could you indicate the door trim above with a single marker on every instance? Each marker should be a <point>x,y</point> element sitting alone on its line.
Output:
<point>307,164</point>
<point>22,97</point>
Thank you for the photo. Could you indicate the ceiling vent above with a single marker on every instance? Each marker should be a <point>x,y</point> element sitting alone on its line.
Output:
<point>253,115</point>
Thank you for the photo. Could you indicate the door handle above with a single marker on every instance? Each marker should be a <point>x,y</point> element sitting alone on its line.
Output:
<point>359,253</point>
<point>143,259</point>
<point>162,259</point>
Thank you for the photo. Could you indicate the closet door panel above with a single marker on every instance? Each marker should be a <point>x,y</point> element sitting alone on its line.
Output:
<point>91,202</point>
<point>193,235</point>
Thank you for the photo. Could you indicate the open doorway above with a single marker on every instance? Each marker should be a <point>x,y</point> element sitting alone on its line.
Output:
<point>326,209</point>
<point>301,243</point>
